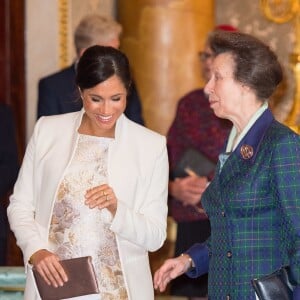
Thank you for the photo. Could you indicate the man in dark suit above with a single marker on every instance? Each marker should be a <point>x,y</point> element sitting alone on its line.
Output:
<point>58,94</point>
<point>8,171</point>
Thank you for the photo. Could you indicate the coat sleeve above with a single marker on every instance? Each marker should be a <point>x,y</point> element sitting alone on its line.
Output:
<point>134,107</point>
<point>296,294</point>
<point>146,227</point>
<point>286,172</point>
<point>199,254</point>
<point>21,209</point>
<point>47,101</point>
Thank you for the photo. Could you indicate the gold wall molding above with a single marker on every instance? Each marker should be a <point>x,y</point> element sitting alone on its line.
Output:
<point>63,34</point>
<point>279,11</point>
<point>283,11</point>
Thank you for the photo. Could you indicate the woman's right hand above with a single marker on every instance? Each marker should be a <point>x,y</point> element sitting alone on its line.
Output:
<point>171,269</point>
<point>49,267</point>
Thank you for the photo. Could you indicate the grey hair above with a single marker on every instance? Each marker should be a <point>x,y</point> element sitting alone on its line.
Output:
<point>95,30</point>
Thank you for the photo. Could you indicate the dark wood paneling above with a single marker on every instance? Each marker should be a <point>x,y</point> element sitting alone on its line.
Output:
<point>12,83</point>
<point>4,53</point>
<point>12,63</point>
<point>16,58</point>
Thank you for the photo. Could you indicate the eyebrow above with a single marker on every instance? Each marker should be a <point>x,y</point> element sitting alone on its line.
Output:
<point>205,55</point>
<point>99,96</point>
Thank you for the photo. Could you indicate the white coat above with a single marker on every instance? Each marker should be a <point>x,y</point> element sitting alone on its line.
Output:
<point>137,172</point>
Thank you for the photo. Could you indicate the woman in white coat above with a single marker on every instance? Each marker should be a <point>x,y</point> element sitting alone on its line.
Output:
<point>93,183</point>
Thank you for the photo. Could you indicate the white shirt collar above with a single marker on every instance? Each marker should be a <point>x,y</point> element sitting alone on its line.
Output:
<point>230,147</point>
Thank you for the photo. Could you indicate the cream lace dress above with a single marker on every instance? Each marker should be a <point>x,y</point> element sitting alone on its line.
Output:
<point>76,230</point>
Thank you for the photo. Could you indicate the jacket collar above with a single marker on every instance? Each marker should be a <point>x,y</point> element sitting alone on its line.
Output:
<point>248,147</point>
<point>119,125</point>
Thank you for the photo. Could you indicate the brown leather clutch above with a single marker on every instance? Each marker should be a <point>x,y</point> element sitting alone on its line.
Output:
<point>82,280</point>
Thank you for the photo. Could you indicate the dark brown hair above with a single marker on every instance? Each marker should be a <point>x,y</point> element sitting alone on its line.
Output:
<point>256,65</point>
<point>98,63</point>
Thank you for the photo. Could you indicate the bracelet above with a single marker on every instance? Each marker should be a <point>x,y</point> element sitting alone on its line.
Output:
<point>30,260</point>
<point>191,262</point>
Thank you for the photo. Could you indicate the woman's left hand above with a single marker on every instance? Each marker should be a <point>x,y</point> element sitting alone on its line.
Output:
<point>101,196</point>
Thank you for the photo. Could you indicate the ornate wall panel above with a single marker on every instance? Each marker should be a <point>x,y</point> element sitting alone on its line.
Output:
<point>279,36</point>
<point>42,50</point>
<point>64,32</point>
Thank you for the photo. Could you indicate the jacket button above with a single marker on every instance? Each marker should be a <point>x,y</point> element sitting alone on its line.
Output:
<point>228,297</point>
<point>223,213</point>
<point>229,254</point>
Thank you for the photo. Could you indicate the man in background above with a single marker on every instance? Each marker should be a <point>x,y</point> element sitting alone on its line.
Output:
<point>58,94</point>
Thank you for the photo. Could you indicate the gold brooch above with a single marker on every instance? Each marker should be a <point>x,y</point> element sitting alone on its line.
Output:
<point>246,151</point>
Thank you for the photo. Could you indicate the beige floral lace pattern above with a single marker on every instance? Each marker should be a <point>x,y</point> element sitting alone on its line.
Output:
<point>76,230</point>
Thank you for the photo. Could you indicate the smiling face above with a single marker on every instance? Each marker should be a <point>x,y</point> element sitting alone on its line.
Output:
<point>225,93</point>
<point>103,105</point>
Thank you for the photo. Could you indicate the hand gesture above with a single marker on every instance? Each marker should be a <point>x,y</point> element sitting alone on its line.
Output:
<point>171,269</point>
<point>48,266</point>
<point>101,196</point>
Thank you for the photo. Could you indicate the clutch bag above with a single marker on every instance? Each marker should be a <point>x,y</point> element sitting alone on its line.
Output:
<point>277,285</point>
<point>195,161</point>
<point>82,280</point>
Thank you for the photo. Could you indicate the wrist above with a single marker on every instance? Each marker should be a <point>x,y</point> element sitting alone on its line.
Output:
<point>191,264</point>
<point>31,259</point>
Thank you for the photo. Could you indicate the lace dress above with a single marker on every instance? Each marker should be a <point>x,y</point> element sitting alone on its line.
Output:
<point>76,230</point>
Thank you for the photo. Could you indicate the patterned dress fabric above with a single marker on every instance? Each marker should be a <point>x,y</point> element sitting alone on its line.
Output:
<point>254,209</point>
<point>76,230</point>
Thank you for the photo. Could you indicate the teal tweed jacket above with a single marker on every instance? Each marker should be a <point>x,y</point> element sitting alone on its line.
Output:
<point>253,205</point>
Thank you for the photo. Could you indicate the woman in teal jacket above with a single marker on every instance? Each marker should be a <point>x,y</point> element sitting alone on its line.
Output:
<point>253,203</point>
